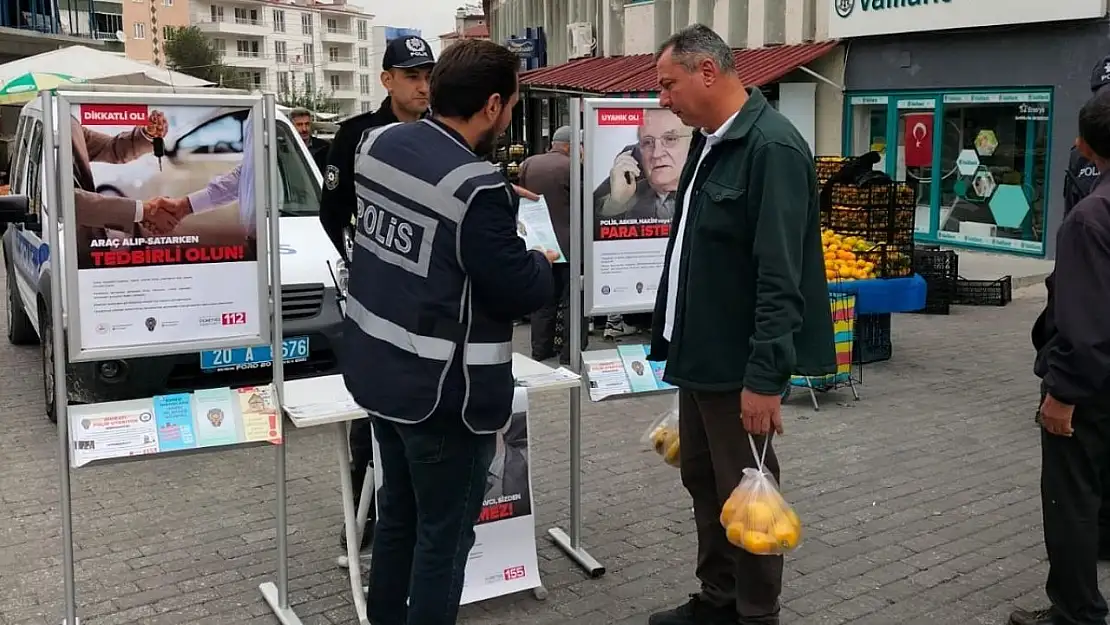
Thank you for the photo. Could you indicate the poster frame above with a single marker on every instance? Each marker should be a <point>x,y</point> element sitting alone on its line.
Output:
<point>590,107</point>
<point>65,103</point>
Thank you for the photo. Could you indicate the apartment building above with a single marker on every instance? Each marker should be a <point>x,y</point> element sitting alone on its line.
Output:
<point>277,45</point>
<point>470,23</point>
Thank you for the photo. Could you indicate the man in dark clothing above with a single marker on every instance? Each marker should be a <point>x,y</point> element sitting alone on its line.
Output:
<point>317,147</point>
<point>1081,175</point>
<point>438,275</point>
<point>1073,362</point>
<point>548,175</point>
<point>406,68</point>
<point>743,303</point>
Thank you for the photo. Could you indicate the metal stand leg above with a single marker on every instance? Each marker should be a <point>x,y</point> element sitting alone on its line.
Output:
<point>277,596</point>
<point>362,514</point>
<point>350,523</point>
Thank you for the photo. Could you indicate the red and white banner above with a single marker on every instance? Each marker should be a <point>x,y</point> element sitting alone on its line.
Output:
<point>114,114</point>
<point>918,139</point>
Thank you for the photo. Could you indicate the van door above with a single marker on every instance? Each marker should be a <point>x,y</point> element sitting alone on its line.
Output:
<point>31,251</point>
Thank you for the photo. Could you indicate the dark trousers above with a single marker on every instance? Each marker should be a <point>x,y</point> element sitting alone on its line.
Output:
<point>1073,482</point>
<point>362,457</point>
<point>715,452</point>
<point>550,324</point>
<point>433,482</point>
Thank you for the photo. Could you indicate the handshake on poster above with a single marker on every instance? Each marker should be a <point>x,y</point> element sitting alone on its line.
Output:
<point>162,214</point>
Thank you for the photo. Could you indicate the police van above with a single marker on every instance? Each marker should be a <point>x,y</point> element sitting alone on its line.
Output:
<point>309,265</point>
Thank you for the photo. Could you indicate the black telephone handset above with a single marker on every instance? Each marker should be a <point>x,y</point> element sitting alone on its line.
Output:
<point>636,154</point>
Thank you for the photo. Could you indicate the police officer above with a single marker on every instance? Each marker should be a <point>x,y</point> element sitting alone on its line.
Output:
<point>406,66</point>
<point>437,276</point>
<point>1082,174</point>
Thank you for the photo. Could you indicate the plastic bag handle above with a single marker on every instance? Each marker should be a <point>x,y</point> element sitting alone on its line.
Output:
<point>759,457</point>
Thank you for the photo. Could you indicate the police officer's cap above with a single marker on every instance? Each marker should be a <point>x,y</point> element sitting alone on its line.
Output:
<point>407,52</point>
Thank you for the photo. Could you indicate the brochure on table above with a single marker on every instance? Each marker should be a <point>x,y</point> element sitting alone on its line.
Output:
<point>166,423</point>
<point>622,371</point>
<point>503,559</point>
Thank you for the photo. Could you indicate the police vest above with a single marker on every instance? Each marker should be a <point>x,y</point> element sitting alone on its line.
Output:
<point>410,310</point>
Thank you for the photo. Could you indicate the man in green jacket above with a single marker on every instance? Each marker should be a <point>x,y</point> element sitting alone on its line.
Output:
<point>742,304</point>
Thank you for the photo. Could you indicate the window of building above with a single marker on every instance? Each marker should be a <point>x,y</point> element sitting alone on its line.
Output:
<point>364,84</point>
<point>169,32</point>
<point>362,30</point>
<point>365,106</point>
<point>363,57</point>
<point>977,161</point>
<point>107,25</point>
<point>333,25</point>
<point>168,3</point>
<point>217,13</point>
<point>333,54</point>
<point>246,48</point>
<point>246,16</point>
<point>309,54</point>
<point>279,21</point>
<point>253,78</point>
<point>140,30</point>
<point>283,82</point>
<point>306,23</point>
<point>280,53</point>
<point>336,85</point>
<point>221,45</point>
<point>309,81</point>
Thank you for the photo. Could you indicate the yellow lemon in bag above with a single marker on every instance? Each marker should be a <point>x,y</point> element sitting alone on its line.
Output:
<point>671,456</point>
<point>757,543</point>
<point>786,535</point>
<point>794,520</point>
<point>729,510</point>
<point>759,516</point>
<point>735,533</point>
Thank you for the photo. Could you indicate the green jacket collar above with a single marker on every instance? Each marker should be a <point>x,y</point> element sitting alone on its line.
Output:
<point>749,113</point>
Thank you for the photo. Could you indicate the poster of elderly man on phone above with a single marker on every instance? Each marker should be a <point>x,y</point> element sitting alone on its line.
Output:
<point>165,225</point>
<point>635,158</point>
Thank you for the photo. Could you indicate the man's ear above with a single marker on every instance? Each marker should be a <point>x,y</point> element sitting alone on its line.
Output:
<point>387,79</point>
<point>493,106</point>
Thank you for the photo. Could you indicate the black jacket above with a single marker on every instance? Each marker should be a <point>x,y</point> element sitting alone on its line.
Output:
<point>337,204</point>
<point>1072,336</point>
<point>318,148</point>
<point>1079,179</point>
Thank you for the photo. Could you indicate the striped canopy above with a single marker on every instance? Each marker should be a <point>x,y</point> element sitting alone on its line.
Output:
<point>26,87</point>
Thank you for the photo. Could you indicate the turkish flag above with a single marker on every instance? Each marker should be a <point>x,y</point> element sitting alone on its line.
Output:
<point>918,139</point>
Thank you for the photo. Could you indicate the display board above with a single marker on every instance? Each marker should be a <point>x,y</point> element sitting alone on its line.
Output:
<point>503,559</point>
<point>166,423</point>
<point>164,252</point>
<point>634,154</point>
<point>622,371</point>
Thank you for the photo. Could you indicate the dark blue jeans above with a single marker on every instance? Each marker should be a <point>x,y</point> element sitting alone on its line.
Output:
<point>434,479</point>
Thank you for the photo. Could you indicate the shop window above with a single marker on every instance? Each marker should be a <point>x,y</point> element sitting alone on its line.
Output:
<point>869,127</point>
<point>993,163</point>
<point>914,164</point>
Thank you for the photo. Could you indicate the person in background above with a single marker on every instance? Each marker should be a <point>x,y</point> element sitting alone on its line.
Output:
<point>746,215</point>
<point>428,332</point>
<point>1072,338</point>
<point>406,67</point>
<point>1081,174</point>
<point>548,175</point>
<point>317,147</point>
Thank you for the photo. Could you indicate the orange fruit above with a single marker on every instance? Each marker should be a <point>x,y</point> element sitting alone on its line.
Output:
<point>728,511</point>
<point>794,520</point>
<point>757,543</point>
<point>758,516</point>
<point>735,534</point>
<point>786,535</point>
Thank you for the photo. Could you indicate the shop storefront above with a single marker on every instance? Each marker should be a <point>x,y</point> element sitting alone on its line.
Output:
<point>980,121</point>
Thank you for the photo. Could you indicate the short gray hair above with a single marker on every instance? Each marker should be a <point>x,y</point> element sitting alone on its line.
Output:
<point>300,112</point>
<point>695,43</point>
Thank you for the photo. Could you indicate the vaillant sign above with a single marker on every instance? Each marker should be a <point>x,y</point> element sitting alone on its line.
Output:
<point>864,18</point>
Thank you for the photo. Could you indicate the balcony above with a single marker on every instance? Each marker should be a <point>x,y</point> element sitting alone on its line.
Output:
<point>343,92</point>
<point>339,64</point>
<point>245,59</point>
<point>233,26</point>
<point>337,34</point>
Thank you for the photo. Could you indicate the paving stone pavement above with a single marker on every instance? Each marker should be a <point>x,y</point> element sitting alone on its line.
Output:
<point>920,503</point>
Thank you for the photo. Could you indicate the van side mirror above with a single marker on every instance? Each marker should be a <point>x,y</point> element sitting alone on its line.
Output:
<point>14,209</point>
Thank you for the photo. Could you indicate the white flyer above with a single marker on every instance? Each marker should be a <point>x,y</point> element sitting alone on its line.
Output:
<point>114,430</point>
<point>534,226</point>
<point>605,374</point>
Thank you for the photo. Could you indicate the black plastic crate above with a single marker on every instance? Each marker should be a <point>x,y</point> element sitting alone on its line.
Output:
<point>883,213</point>
<point>872,342</point>
<point>984,292</point>
<point>940,270</point>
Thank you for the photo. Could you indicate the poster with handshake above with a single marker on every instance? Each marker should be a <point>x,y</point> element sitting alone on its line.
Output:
<point>165,222</point>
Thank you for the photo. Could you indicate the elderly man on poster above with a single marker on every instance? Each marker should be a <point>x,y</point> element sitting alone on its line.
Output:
<point>644,176</point>
<point>235,185</point>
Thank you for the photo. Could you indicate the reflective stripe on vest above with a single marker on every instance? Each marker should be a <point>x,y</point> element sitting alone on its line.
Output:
<point>430,347</point>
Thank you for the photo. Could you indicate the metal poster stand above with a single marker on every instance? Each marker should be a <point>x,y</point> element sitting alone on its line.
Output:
<point>66,349</point>
<point>571,543</point>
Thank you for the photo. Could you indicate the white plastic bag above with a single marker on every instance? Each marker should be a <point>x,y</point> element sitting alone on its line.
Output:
<point>756,518</point>
<point>662,436</point>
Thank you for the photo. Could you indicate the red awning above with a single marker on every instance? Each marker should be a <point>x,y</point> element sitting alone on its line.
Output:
<point>636,73</point>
